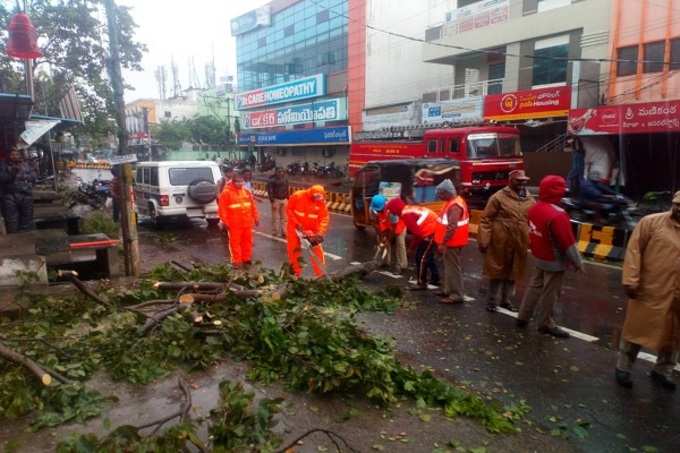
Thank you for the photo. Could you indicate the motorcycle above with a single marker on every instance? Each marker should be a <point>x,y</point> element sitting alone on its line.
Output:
<point>610,210</point>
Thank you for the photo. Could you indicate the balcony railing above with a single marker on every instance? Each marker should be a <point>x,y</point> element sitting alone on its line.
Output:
<point>465,90</point>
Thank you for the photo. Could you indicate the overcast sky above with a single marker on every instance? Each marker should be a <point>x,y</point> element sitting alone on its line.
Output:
<point>183,29</point>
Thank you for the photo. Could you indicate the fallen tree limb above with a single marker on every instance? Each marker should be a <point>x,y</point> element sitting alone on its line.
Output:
<point>151,303</point>
<point>182,412</point>
<point>334,437</point>
<point>180,266</point>
<point>21,359</point>
<point>157,317</point>
<point>360,270</point>
<point>72,276</point>
<point>196,286</point>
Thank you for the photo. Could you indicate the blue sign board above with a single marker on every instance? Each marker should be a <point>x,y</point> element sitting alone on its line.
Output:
<point>296,90</point>
<point>325,135</point>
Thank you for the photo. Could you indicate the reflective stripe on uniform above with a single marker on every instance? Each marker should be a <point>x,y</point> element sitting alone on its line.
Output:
<point>235,205</point>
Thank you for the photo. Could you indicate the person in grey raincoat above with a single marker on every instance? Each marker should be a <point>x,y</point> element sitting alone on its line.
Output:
<point>17,178</point>
<point>651,279</point>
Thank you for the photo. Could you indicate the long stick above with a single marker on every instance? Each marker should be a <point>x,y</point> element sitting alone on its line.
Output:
<point>21,359</point>
<point>72,276</point>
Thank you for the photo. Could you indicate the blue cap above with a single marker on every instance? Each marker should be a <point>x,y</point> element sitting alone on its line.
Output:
<point>378,203</point>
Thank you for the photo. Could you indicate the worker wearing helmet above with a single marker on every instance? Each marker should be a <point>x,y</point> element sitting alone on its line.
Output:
<point>391,236</point>
<point>238,213</point>
<point>307,218</point>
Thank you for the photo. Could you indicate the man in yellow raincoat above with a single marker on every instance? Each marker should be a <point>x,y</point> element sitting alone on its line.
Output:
<point>651,279</point>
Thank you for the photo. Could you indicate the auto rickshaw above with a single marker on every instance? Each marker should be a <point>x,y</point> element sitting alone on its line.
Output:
<point>415,180</point>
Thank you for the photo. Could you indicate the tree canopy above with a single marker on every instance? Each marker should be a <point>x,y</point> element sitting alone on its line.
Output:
<point>73,40</point>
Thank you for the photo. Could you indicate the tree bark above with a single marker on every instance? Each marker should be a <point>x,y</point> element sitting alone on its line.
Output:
<point>21,359</point>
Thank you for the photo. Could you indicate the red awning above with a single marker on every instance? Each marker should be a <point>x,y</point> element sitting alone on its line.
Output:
<point>643,118</point>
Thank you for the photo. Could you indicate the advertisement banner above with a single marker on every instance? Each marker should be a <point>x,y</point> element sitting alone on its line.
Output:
<point>397,116</point>
<point>458,111</point>
<point>478,15</point>
<point>297,90</point>
<point>325,110</point>
<point>648,117</point>
<point>251,20</point>
<point>529,104</point>
<point>321,136</point>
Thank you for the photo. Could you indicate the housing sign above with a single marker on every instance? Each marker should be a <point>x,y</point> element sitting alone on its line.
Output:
<point>455,112</point>
<point>529,104</point>
<point>297,90</point>
<point>324,110</point>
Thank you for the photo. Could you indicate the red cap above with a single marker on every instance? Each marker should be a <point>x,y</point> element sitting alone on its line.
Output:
<point>395,206</point>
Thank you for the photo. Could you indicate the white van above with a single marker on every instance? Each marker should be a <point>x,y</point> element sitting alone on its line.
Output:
<point>177,190</point>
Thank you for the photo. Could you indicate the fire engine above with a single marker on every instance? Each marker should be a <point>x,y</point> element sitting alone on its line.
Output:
<point>485,154</point>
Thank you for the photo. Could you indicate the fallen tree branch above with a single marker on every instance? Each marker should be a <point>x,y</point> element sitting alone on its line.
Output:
<point>157,317</point>
<point>21,359</point>
<point>151,303</point>
<point>180,266</point>
<point>360,270</point>
<point>72,276</point>
<point>196,286</point>
<point>334,437</point>
<point>182,412</point>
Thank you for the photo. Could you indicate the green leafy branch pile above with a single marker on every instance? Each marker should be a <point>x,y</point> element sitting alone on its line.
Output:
<point>309,339</point>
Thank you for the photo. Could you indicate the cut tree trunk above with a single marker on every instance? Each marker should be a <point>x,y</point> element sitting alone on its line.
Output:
<point>21,359</point>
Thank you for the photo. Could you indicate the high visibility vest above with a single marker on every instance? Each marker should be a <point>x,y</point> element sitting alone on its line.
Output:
<point>237,207</point>
<point>419,220</point>
<point>461,236</point>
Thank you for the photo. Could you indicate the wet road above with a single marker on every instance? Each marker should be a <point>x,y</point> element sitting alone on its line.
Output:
<point>568,383</point>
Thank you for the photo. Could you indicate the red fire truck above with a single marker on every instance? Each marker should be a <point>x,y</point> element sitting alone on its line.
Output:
<point>485,154</point>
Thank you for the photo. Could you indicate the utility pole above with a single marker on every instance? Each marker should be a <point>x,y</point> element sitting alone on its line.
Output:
<point>127,218</point>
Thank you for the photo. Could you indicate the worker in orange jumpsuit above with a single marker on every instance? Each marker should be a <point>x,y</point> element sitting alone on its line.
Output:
<point>308,217</point>
<point>238,213</point>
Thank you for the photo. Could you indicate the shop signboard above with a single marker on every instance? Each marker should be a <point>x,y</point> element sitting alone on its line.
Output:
<point>322,136</point>
<point>250,21</point>
<point>404,115</point>
<point>458,111</point>
<point>643,118</point>
<point>529,104</point>
<point>296,90</point>
<point>478,15</point>
<point>323,110</point>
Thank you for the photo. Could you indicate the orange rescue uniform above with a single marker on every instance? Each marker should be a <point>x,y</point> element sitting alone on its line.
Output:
<point>238,212</point>
<point>310,217</point>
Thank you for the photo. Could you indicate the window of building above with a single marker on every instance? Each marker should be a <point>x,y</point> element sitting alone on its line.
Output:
<point>546,5</point>
<point>654,55</point>
<point>627,61</point>
<point>550,61</point>
<point>322,16</point>
<point>675,54</point>
<point>262,42</point>
<point>167,114</point>
<point>289,30</point>
<point>444,95</point>
<point>462,3</point>
<point>433,34</point>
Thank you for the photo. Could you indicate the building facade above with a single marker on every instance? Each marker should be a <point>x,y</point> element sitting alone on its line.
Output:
<point>292,65</point>
<point>639,120</point>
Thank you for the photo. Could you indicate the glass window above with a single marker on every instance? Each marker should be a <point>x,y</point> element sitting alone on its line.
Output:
<point>145,176</point>
<point>454,145</point>
<point>627,64</point>
<point>654,55</point>
<point>432,146</point>
<point>675,54</point>
<point>546,5</point>
<point>185,176</point>
<point>262,42</point>
<point>322,16</point>
<point>550,61</point>
<point>153,176</point>
<point>484,146</point>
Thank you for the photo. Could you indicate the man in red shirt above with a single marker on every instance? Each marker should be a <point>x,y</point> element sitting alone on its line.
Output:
<point>421,222</point>
<point>553,246</point>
